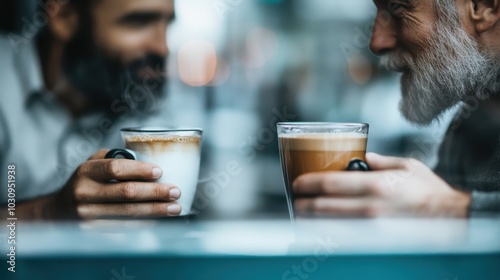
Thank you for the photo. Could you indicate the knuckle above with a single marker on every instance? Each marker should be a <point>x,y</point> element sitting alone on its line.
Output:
<point>316,205</point>
<point>297,184</point>
<point>114,168</point>
<point>80,193</point>
<point>411,163</point>
<point>326,184</point>
<point>129,191</point>
<point>81,211</point>
<point>377,187</point>
<point>158,191</point>
<point>159,209</point>
<point>127,210</point>
<point>81,170</point>
<point>371,211</point>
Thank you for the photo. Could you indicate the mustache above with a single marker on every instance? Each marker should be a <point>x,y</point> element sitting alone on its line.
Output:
<point>397,61</point>
<point>152,63</point>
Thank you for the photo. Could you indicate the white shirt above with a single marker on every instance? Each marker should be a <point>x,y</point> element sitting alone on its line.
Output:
<point>38,134</point>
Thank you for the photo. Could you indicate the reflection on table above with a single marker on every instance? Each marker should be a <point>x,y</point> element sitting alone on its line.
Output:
<point>254,249</point>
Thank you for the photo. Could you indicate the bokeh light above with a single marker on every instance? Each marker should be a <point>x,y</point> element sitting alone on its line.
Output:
<point>197,63</point>
<point>360,69</point>
<point>261,45</point>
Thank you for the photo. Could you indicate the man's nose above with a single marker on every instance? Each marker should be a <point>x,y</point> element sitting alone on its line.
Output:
<point>383,38</point>
<point>158,43</point>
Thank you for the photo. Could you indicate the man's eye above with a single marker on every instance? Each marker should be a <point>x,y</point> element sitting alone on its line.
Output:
<point>395,7</point>
<point>139,19</point>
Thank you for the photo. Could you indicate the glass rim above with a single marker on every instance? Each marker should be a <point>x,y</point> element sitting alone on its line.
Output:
<point>160,130</point>
<point>323,124</point>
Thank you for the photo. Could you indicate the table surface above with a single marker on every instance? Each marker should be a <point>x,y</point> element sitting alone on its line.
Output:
<point>259,237</point>
<point>264,249</point>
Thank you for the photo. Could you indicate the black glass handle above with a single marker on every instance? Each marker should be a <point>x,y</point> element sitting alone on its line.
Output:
<point>357,165</point>
<point>119,152</point>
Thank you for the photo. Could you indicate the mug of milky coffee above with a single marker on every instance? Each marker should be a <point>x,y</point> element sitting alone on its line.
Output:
<point>317,147</point>
<point>176,151</point>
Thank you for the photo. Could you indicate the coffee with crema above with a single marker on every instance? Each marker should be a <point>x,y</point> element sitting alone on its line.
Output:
<point>306,153</point>
<point>178,156</point>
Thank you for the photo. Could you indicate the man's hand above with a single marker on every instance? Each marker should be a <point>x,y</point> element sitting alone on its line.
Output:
<point>117,187</point>
<point>395,187</point>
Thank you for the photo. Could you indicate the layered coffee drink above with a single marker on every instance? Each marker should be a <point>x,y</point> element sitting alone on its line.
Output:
<point>178,156</point>
<point>319,147</point>
<point>306,153</point>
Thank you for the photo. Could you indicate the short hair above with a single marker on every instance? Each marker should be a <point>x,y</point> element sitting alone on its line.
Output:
<point>82,6</point>
<point>79,4</point>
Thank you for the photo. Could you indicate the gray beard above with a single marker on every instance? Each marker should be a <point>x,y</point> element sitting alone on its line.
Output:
<point>451,70</point>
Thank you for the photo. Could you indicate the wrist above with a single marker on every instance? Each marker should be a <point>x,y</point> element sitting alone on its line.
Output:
<point>460,203</point>
<point>60,206</point>
<point>53,207</point>
<point>45,209</point>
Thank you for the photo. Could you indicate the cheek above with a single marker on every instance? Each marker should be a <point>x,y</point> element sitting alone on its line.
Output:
<point>126,44</point>
<point>416,30</point>
<point>415,38</point>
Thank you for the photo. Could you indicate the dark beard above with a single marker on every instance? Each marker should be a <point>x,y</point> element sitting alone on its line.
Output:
<point>104,79</point>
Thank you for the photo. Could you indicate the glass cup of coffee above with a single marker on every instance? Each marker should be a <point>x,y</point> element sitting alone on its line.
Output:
<point>176,151</point>
<point>317,147</point>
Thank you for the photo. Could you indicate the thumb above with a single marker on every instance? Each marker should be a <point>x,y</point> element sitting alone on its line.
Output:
<point>379,162</point>
<point>99,154</point>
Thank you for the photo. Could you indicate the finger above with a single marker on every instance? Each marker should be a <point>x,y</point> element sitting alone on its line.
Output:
<point>99,154</point>
<point>156,209</point>
<point>336,183</point>
<point>128,192</point>
<point>378,162</point>
<point>121,170</point>
<point>348,207</point>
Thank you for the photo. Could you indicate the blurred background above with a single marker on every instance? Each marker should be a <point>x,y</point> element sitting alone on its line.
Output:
<point>237,67</point>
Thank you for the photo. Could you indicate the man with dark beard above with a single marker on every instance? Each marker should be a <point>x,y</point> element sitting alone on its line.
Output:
<point>448,52</point>
<point>96,66</point>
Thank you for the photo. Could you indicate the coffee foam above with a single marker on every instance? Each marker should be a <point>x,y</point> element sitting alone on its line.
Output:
<point>162,138</point>
<point>159,144</point>
<point>325,141</point>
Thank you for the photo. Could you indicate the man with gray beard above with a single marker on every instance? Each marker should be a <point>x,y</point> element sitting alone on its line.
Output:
<point>448,52</point>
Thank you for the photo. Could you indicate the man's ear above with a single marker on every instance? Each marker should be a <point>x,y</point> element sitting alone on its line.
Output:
<point>485,14</point>
<point>63,22</point>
